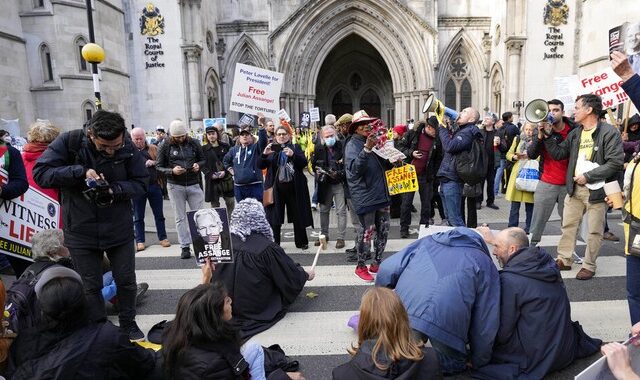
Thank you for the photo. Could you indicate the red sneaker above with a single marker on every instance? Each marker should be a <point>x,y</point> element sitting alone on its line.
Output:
<point>364,274</point>
<point>373,268</point>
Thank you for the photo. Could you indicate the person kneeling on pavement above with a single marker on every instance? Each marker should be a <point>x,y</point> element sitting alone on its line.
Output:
<point>457,303</point>
<point>263,280</point>
<point>67,344</point>
<point>536,334</point>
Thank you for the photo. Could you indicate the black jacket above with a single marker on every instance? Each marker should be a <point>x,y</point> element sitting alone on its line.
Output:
<point>362,367</point>
<point>184,155</point>
<point>536,147</point>
<point>263,281</point>
<point>85,224</point>
<point>536,335</point>
<point>213,156</point>
<point>95,351</point>
<point>409,143</point>
<point>607,152</point>
<point>336,164</point>
<point>17,183</point>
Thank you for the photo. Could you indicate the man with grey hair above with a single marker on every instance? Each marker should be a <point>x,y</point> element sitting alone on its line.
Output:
<point>330,119</point>
<point>48,245</point>
<point>327,163</point>
<point>536,334</point>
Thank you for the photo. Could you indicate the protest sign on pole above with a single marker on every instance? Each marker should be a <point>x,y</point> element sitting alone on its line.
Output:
<point>402,179</point>
<point>210,235</point>
<point>282,114</point>
<point>605,83</point>
<point>256,90</point>
<point>315,113</point>
<point>246,119</point>
<point>22,217</point>
<point>212,122</point>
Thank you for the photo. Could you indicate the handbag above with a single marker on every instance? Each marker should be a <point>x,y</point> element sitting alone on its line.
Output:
<point>285,173</point>
<point>267,197</point>
<point>528,176</point>
<point>472,191</point>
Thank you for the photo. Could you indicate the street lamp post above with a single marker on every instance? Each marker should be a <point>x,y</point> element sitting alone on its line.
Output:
<point>518,104</point>
<point>94,54</point>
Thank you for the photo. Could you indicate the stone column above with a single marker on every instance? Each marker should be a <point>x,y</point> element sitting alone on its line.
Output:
<point>194,82</point>
<point>486,48</point>
<point>514,50</point>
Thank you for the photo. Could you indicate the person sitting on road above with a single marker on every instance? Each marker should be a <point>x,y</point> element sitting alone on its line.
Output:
<point>536,335</point>
<point>457,304</point>
<point>386,348</point>
<point>67,345</point>
<point>262,280</point>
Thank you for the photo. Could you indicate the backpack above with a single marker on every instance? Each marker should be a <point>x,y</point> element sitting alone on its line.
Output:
<point>472,166</point>
<point>21,306</point>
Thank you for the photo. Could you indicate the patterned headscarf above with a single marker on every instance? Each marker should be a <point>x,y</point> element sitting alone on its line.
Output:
<point>248,217</point>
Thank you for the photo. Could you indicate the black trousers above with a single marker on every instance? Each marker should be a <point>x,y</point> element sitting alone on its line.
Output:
<point>425,191</point>
<point>287,198</point>
<point>490,181</point>
<point>436,201</point>
<point>88,263</point>
<point>472,212</point>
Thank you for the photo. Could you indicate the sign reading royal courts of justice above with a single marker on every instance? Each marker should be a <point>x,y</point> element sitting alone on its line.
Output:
<point>152,26</point>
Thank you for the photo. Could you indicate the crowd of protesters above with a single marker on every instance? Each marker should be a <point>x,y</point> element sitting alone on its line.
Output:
<point>474,317</point>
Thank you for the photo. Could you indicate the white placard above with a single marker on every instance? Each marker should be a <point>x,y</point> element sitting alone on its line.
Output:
<point>256,90</point>
<point>605,83</point>
<point>564,87</point>
<point>282,114</point>
<point>315,113</point>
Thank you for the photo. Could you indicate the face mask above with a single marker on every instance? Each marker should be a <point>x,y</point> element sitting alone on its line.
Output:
<point>330,141</point>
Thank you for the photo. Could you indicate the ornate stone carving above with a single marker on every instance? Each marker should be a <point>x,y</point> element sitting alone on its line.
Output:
<point>515,44</point>
<point>192,53</point>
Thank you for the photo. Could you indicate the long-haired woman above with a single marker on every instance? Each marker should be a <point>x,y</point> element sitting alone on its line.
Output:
<point>386,348</point>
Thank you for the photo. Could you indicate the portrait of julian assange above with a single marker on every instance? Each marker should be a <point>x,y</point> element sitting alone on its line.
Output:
<point>210,235</point>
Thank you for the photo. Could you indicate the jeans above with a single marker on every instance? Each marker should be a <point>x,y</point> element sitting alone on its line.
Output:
<point>88,263</point>
<point>154,194</point>
<point>514,215</point>
<point>633,287</point>
<point>451,361</point>
<point>248,191</point>
<point>373,222</point>
<point>544,199</point>
<point>426,192</point>
<point>253,354</point>
<point>181,195</point>
<point>333,192</point>
<point>499,173</point>
<point>574,208</point>
<point>451,194</point>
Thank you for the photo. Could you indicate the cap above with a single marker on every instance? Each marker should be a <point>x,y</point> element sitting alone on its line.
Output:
<point>246,128</point>
<point>55,271</point>
<point>344,119</point>
<point>160,128</point>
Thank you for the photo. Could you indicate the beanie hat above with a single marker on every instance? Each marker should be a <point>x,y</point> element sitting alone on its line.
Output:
<point>400,129</point>
<point>247,217</point>
<point>344,119</point>
<point>177,128</point>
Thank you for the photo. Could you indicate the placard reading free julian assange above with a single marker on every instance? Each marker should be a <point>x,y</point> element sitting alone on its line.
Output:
<point>210,235</point>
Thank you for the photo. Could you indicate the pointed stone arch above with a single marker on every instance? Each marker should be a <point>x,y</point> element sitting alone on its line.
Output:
<point>244,51</point>
<point>462,59</point>
<point>496,88</point>
<point>212,94</point>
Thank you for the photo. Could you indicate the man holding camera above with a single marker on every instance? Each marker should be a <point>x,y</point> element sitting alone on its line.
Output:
<point>328,163</point>
<point>98,172</point>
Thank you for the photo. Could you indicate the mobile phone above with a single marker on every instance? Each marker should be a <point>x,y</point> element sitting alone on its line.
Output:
<point>276,147</point>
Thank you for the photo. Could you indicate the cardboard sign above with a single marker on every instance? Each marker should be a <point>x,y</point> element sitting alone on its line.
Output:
<point>388,152</point>
<point>599,370</point>
<point>246,119</point>
<point>283,115</point>
<point>305,120</point>
<point>315,113</point>
<point>213,122</point>
<point>210,235</point>
<point>402,180</point>
<point>256,90</point>
<point>22,217</point>
<point>605,83</point>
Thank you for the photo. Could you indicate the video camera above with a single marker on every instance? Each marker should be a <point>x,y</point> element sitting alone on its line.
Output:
<point>98,192</point>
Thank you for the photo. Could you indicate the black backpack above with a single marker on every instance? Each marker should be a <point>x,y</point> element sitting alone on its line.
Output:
<point>22,304</point>
<point>471,166</point>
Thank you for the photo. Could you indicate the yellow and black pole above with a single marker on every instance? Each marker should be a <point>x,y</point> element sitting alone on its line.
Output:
<point>94,54</point>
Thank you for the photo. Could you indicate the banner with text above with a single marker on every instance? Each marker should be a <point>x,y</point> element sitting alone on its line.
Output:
<point>605,83</point>
<point>210,235</point>
<point>22,217</point>
<point>256,90</point>
<point>402,179</point>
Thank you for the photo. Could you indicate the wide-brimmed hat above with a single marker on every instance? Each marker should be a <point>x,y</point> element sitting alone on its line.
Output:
<point>359,118</point>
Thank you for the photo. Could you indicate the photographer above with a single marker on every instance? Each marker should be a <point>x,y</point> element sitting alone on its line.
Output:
<point>98,172</point>
<point>328,163</point>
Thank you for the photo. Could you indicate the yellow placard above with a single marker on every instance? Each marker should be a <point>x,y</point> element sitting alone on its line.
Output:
<point>402,179</point>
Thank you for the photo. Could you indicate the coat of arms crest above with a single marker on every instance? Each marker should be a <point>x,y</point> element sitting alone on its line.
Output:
<point>556,12</point>
<point>151,21</point>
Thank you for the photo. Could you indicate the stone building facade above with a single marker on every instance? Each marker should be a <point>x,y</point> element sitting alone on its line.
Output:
<point>169,59</point>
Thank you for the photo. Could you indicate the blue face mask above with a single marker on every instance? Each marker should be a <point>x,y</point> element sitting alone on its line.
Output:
<point>330,141</point>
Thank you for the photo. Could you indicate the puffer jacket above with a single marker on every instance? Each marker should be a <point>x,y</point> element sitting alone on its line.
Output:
<point>184,155</point>
<point>365,177</point>
<point>452,144</point>
<point>458,299</point>
<point>607,152</point>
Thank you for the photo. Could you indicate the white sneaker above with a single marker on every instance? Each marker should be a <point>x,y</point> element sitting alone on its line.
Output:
<point>577,259</point>
<point>314,206</point>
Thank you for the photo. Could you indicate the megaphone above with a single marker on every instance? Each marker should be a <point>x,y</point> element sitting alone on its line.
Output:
<point>538,110</point>
<point>436,106</point>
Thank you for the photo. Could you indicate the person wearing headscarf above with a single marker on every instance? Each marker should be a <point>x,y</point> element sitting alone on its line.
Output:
<point>262,280</point>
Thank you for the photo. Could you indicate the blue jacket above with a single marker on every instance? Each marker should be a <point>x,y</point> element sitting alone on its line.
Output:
<point>632,88</point>
<point>244,161</point>
<point>452,144</point>
<point>451,289</point>
<point>365,177</point>
<point>536,335</point>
